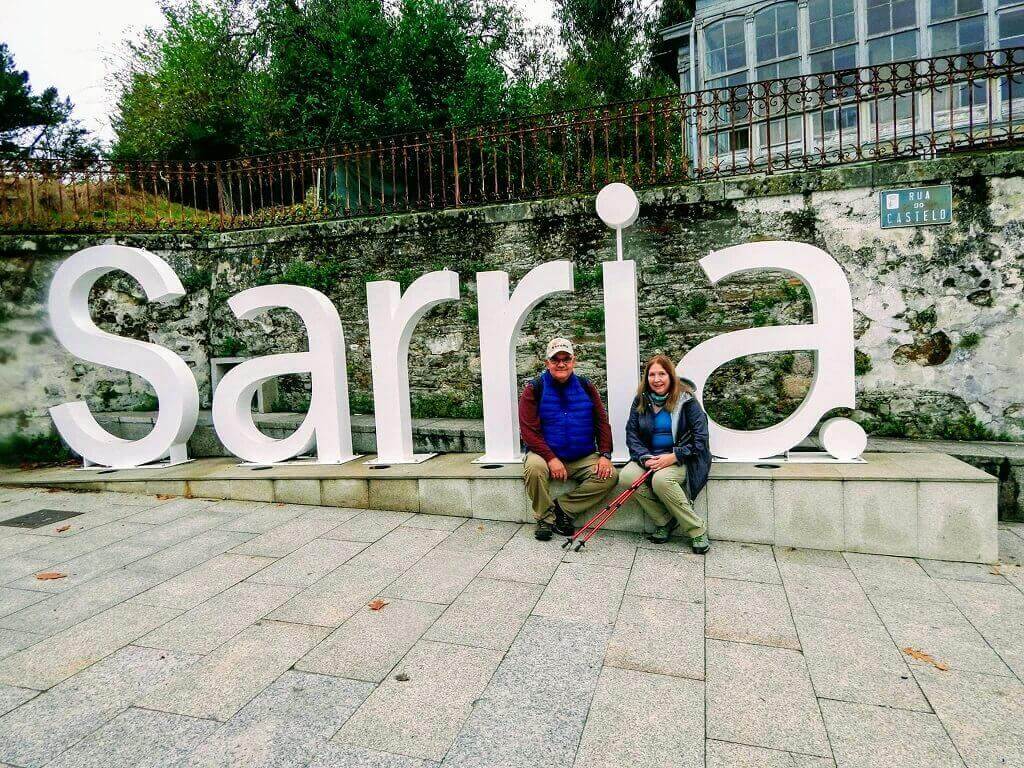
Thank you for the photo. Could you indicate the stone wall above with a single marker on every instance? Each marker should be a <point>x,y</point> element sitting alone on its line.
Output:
<point>939,321</point>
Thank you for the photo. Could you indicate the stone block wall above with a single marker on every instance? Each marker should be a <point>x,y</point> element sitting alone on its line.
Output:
<point>939,317</point>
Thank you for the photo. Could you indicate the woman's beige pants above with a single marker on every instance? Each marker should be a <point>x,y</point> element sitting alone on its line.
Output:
<point>662,497</point>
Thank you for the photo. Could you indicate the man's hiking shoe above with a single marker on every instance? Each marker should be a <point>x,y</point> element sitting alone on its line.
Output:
<point>564,525</point>
<point>662,533</point>
<point>701,544</point>
<point>543,531</point>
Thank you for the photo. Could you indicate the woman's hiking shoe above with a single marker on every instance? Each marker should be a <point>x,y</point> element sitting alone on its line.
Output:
<point>543,531</point>
<point>701,544</point>
<point>662,533</point>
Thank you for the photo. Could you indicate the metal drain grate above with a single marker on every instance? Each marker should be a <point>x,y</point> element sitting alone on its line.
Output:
<point>39,518</point>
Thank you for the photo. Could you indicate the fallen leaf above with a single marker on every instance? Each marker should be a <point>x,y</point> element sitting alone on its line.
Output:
<point>922,656</point>
<point>994,570</point>
<point>164,496</point>
<point>64,528</point>
<point>376,605</point>
<point>479,527</point>
<point>48,575</point>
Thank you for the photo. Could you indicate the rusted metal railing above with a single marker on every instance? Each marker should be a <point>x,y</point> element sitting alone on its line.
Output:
<point>913,109</point>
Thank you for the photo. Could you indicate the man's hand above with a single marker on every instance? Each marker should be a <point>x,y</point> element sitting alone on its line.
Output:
<point>661,462</point>
<point>604,468</point>
<point>557,469</point>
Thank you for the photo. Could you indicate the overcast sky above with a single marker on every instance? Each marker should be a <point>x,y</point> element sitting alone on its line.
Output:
<point>73,44</point>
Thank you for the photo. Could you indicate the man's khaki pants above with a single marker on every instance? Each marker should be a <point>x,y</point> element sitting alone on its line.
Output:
<point>581,498</point>
<point>662,497</point>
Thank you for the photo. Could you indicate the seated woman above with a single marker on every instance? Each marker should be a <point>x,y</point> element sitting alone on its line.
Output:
<point>668,432</point>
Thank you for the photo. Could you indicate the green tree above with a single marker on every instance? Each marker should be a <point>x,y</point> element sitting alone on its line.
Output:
<point>36,123</point>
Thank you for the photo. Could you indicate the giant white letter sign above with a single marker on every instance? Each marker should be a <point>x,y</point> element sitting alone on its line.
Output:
<point>167,373</point>
<point>500,320</point>
<point>327,424</point>
<point>393,318</point>
<point>830,336</point>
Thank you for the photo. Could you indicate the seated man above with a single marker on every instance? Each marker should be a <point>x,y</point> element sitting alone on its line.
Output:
<point>567,435</point>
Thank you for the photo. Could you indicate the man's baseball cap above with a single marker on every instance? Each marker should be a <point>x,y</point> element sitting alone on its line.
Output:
<point>557,345</point>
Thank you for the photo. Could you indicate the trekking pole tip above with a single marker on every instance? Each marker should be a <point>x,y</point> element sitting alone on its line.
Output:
<point>568,542</point>
<point>579,545</point>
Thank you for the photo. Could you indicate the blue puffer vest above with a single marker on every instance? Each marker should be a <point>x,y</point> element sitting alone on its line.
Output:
<point>567,418</point>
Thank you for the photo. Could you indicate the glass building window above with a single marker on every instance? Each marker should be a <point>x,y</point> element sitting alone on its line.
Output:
<point>831,22</point>
<point>1011,29</point>
<point>775,31</point>
<point>726,49</point>
<point>965,36</point>
<point>883,50</point>
<point>834,59</point>
<point>787,68</point>
<point>948,9</point>
<point>890,15</point>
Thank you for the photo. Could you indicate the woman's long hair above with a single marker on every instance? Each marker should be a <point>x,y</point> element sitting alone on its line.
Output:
<point>675,386</point>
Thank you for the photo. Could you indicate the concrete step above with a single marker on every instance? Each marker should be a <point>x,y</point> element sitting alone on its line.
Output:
<point>917,504</point>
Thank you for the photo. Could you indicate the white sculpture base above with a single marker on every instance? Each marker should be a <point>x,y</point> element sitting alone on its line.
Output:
<point>87,466</point>
<point>301,461</point>
<point>794,457</point>
<point>485,460</point>
<point>416,458</point>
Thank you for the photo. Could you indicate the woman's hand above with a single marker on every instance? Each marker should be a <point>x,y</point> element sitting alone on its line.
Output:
<point>661,462</point>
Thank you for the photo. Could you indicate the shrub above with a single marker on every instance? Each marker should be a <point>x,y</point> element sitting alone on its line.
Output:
<point>696,304</point>
<point>18,449</point>
<point>970,340</point>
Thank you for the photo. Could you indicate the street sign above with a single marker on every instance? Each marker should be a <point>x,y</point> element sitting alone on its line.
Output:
<point>915,206</point>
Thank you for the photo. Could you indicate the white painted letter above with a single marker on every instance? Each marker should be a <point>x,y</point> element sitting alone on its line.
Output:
<point>393,318</point>
<point>500,319</point>
<point>167,373</point>
<point>830,336</point>
<point>622,348</point>
<point>327,424</point>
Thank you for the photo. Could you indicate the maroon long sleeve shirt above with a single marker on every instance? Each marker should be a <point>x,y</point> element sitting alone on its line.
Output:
<point>530,429</point>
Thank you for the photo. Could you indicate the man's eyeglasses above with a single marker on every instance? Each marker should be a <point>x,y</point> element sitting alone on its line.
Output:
<point>560,361</point>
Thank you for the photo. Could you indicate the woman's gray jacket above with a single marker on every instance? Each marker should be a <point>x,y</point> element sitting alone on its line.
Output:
<point>690,429</point>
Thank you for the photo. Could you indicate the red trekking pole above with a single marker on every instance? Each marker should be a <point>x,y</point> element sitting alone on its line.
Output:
<point>582,536</point>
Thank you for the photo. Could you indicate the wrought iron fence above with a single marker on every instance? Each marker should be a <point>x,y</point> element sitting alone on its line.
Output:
<point>911,109</point>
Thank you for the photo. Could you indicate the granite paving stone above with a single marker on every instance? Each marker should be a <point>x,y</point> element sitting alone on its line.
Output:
<point>723,754</point>
<point>419,716</point>
<point>533,710</point>
<point>737,560</point>
<point>137,738</point>
<point>60,550</point>
<point>434,522</point>
<point>439,576</point>
<point>161,514</point>
<point>12,697</point>
<point>262,516</point>
<point>284,726</point>
<point>822,558</point>
<point>762,696</point>
<point>981,713</point>
<point>399,550</point>
<point>658,636</point>
<point>825,591</point>
<point>64,610</point>
<point>997,612</point>
<point>50,723</point>
<point>643,721</point>
<point>189,553</point>
<point>750,612</point>
<point>80,569</point>
<point>669,575</point>
<point>611,549</point>
<point>12,641</point>
<point>17,567</point>
<point>20,543</point>
<point>940,630</point>
<point>309,563</point>
<point>228,678</point>
<point>488,614</point>
<point>337,596</point>
<point>285,538</point>
<point>13,600</point>
<point>583,593</point>
<point>334,755</point>
<point>220,618</point>
<point>368,526</point>
<point>524,559</point>
<point>481,536</point>
<point>942,569</point>
<point>61,655</point>
<point>180,529</point>
<point>368,645</point>
<point>863,735</point>
<point>857,662</point>
<point>199,584</point>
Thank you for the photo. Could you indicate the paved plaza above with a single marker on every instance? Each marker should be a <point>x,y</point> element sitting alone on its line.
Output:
<point>188,633</point>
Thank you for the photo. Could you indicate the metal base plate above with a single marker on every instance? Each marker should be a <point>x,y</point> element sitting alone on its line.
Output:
<point>417,458</point>
<point>154,465</point>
